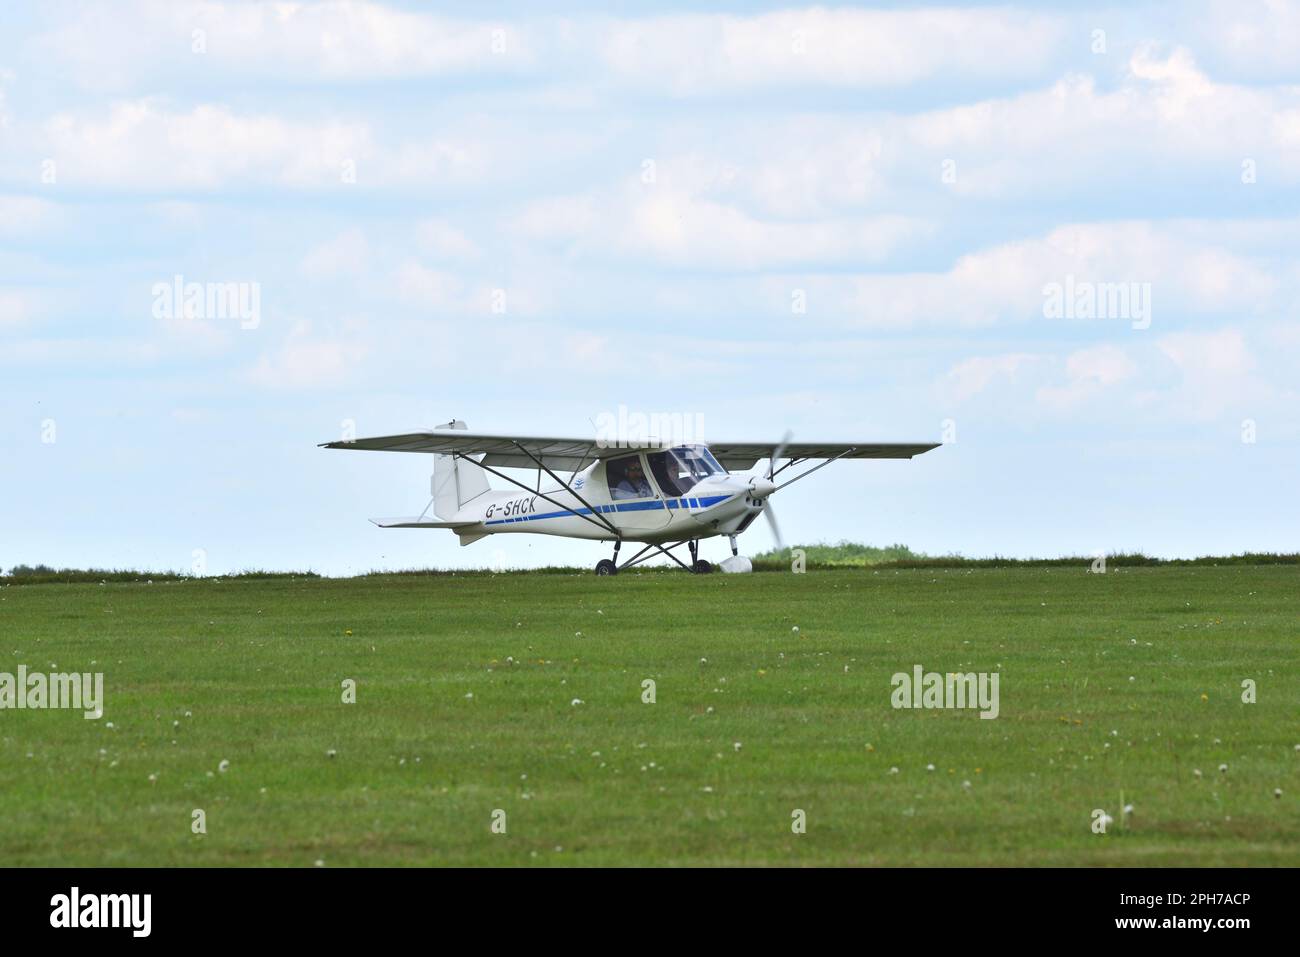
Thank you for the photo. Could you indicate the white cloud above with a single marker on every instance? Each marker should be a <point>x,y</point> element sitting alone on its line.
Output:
<point>708,54</point>
<point>5,77</point>
<point>95,353</point>
<point>1186,377</point>
<point>24,216</point>
<point>1217,373</point>
<point>1206,356</point>
<point>142,144</point>
<point>440,239</point>
<point>972,376</point>
<point>686,230</point>
<point>345,254</point>
<point>553,218</point>
<point>193,337</point>
<point>1166,115</point>
<point>1188,275</point>
<point>1253,37</point>
<point>1165,118</point>
<point>428,288</point>
<point>149,145</point>
<point>15,308</point>
<point>308,360</point>
<point>119,46</point>
<point>1088,372</point>
<point>675,227</point>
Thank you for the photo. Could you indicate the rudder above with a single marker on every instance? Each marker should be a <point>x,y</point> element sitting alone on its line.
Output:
<point>454,483</point>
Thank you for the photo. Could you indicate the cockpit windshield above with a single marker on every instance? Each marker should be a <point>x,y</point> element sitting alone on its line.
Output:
<point>680,469</point>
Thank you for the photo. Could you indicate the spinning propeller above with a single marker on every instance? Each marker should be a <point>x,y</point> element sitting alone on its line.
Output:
<point>762,488</point>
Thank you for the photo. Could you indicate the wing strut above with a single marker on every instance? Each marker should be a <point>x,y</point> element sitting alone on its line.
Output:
<point>814,469</point>
<point>786,466</point>
<point>542,465</point>
<point>603,523</point>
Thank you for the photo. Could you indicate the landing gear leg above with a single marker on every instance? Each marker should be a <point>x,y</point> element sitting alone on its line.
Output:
<point>605,566</point>
<point>734,550</point>
<point>698,565</point>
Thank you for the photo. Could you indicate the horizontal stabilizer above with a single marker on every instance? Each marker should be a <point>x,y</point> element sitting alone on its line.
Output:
<point>417,521</point>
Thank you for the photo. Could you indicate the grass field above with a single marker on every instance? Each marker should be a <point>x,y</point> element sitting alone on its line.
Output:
<point>523,692</point>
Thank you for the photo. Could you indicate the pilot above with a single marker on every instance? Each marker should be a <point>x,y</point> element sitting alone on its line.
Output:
<point>634,484</point>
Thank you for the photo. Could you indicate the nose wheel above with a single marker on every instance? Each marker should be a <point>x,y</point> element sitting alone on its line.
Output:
<point>698,565</point>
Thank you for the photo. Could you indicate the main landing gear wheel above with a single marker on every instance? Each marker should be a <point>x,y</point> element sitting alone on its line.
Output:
<point>702,567</point>
<point>606,567</point>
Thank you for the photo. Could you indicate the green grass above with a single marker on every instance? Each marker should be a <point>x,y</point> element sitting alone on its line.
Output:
<point>251,670</point>
<point>815,557</point>
<point>845,553</point>
<point>852,554</point>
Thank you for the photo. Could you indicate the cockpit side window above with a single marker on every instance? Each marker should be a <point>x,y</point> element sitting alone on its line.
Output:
<point>626,478</point>
<point>680,469</point>
<point>666,479</point>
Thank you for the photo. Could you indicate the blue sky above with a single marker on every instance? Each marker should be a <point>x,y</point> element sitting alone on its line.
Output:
<point>648,189</point>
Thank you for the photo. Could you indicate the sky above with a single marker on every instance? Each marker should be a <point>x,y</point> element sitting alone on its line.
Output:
<point>856,224</point>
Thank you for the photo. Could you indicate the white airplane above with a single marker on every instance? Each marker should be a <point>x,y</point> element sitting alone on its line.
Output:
<point>661,494</point>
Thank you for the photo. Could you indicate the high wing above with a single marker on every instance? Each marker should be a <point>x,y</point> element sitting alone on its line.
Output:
<point>514,451</point>
<point>498,451</point>
<point>740,456</point>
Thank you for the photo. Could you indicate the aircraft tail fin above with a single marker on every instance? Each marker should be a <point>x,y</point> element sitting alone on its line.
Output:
<point>455,483</point>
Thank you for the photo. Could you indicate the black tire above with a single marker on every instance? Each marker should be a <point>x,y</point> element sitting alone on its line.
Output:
<point>606,567</point>
<point>702,567</point>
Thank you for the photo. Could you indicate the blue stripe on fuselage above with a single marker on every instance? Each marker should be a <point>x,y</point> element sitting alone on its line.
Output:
<point>706,502</point>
